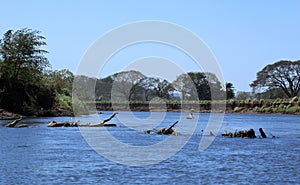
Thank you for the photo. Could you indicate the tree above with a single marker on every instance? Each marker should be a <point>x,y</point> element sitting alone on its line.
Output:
<point>84,88</point>
<point>198,86</point>
<point>229,90</point>
<point>283,74</point>
<point>185,86</point>
<point>156,87</point>
<point>22,58</point>
<point>217,92</point>
<point>103,88</point>
<point>61,81</point>
<point>23,63</point>
<point>125,84</point>
<point>271,94</point>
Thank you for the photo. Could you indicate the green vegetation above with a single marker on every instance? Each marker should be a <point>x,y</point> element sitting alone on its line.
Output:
<point>282,106</point>
<point>27,85</point>
<point>283,75</point>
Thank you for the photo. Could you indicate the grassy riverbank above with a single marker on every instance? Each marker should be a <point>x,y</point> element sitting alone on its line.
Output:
<point>282,106</point>
<point>267,106</point>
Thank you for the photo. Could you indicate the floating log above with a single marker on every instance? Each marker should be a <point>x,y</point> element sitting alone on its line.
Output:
<point>262,133</point>
<point>21,126</point>
<point>243,134</point>
<point>62,124</point>
<point>76,124</point>
<point>14,123</point>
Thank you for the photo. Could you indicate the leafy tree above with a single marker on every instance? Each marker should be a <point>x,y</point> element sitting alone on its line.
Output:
<point>271,94</point>
<point>185,86</point>
<point>60,80</point>
<point>84,88</point>
<point>23,63</point>
<point>103,88</point>
<point>229,90</point>
<point>125,84</point>
<point>156,87</point>
<point>198,85</point>
<point>22,58</point>
<point>283,74</point>
<point>215,87</point>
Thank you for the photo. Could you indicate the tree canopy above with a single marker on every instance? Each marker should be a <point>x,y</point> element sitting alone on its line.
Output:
<point>198,86</point>
<point>229,90</point>
<point>21,55</point>
<point>27,85</point>
<point>283,74</point>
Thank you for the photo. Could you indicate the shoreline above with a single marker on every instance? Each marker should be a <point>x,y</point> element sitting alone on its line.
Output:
<point>5,115</point>
<point>254,106</point>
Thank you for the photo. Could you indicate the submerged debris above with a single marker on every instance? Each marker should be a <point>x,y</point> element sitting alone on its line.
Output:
<point>164,131</point>
<point>14,124</point>
<point>245,134</point>
<point>190,116</point>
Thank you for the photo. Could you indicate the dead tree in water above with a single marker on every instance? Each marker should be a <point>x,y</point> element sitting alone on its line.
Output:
<point>76,124</point>
<point>262,133</point>
<point>243,134</point>
<point>14,123</point>
<point>167,131</point>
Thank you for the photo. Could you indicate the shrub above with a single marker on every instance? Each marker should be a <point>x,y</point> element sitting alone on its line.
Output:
<point>293,110</point>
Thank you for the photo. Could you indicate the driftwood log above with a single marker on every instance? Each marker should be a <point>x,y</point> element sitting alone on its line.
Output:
<point>243,134</point>
<point>14,124</point>
<point>76,124</point>
<point>246,134</point>
<point>165,131</point>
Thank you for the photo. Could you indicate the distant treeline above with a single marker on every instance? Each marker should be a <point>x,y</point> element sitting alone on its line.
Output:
<point>135,86</point>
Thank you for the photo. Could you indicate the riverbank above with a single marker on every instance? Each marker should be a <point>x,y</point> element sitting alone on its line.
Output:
<point>6,115</point>
<point>265,106</point>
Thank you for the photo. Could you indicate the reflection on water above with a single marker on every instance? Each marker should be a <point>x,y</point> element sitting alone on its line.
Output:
<point>42,155</point>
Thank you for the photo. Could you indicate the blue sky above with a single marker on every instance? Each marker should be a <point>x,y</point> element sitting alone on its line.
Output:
<point>244,36</point>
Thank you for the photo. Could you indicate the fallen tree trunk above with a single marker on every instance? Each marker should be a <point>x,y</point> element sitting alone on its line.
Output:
<point>14,123</point>
<point>76,124</point>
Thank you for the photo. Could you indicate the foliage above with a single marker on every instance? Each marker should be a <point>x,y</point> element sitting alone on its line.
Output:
<point>103,89</point>
<point>60,80</point>
<point>64,101</point>
<point>22,58</point>
<point>28,86</point>
<point>125,85</point>
<point>199,86</point>
<point>271,94</point>
<point>243,95</point>
<point>229,90</point>
<point>283,74</point>
<point>156,87</point>
<point>23,63</point>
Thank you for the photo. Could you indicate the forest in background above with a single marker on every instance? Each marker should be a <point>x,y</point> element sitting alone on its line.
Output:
<point>28,86</point>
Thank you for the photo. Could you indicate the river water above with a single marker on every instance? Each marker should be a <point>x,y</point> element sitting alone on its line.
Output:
<point>41,155</point>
